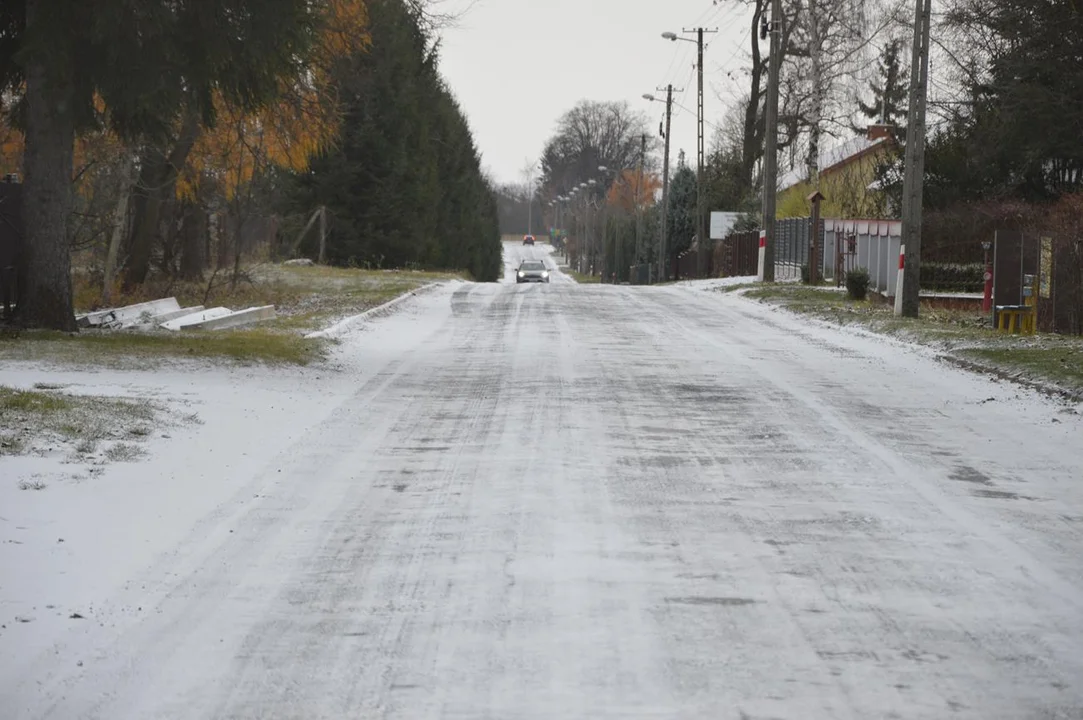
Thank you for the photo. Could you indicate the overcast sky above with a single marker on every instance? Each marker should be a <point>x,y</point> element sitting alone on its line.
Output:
<point>517,65</point>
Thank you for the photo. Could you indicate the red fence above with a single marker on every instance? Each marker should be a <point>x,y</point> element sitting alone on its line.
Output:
<point>738,255</point>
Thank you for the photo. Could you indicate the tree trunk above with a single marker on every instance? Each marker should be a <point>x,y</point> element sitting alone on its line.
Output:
<point>815,117</point>
<point>120,218</point>
<point>752,137</point>
<point>157,183</point>
<point>194,238</point>
<point>47,196</point>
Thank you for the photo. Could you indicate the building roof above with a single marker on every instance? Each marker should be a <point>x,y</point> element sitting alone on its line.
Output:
<point>831,158</point>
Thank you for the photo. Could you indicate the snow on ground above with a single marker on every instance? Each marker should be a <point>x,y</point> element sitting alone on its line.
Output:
<point>714,283</point>
<point>562,501</point>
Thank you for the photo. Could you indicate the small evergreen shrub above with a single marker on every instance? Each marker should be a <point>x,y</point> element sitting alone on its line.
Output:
<point>857,283</point>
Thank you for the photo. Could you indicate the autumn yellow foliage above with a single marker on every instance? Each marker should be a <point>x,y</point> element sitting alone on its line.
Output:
<point>633,189</point>
<point>290,133</point>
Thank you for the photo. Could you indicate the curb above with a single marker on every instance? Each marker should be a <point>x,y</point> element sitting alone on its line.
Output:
<point>346,323</point>
<point>1016,377</point>
<point>1013,376</point>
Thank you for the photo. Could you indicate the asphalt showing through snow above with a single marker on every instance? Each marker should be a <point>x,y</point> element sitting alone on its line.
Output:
<point>611,502</point>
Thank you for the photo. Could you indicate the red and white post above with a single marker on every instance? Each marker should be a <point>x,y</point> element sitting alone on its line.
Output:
<point>763,255</point>
<point>899,282</point>
<point>987,297</point>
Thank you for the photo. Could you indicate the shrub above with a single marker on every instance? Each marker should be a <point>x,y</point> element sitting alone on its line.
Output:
<point>857,283</point>
<point>957,277</point>
<point>804,273</point>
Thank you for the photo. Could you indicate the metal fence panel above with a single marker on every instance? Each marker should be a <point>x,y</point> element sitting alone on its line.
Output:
<point>875,247</point>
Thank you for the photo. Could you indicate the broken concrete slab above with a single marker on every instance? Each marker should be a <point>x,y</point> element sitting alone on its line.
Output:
<point>157,320</point>
<point>195,318</point>
<point>128,314</point>
<point>166,317</point>
<point>240,318</point>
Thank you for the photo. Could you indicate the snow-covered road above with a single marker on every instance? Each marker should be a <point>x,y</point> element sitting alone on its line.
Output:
<point>563,501</point>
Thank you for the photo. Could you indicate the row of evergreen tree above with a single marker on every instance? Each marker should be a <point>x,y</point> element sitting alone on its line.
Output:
<point>404,185</point>
<point>188,125</point>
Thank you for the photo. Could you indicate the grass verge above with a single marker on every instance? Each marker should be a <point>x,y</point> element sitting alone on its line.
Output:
<point>582,278</point>
<point>88,429</point>
<point>306,298</point>
<point>134,349</point>
<point>1044,360</point>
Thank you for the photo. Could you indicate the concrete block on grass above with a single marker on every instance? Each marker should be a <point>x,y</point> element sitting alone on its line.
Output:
<point>129,314</point>
<point>240,318</point>
<point>195,318</point>
<point>166,317</point>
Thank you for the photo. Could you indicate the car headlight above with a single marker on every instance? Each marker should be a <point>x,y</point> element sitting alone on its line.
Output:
<point>545,273</point>
<point>522,274</point>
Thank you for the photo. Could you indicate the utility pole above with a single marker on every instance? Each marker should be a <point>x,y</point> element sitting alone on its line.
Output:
<point>663,131</point>
<point>914,169</point>
<point>770,150</point>
<point>701,199</point>
<point>528,171</point>
<point>701,212</point>
<point>323,234</point>
<point>663,265</point>
<point>637,197</point>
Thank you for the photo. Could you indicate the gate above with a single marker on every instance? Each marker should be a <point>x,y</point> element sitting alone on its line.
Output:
<point>1056,263</point>
<point>793,247</point>
<point>739,254</point>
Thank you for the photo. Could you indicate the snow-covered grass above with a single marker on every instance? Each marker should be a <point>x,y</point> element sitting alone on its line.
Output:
<point>139,349</point>
<point>727,283</point>
<point>46,422</point>
<point>582,278</point>
<point>314,297</point>
<point>306,299</point>
<point>966,337</point>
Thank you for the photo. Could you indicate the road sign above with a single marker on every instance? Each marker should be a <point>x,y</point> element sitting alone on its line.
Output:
<point>722,223</point>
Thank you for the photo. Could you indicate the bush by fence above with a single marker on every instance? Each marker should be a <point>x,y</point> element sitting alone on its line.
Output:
<point>953,277</point>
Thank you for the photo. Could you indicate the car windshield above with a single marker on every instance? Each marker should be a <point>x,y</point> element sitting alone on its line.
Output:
<point>533,266</point>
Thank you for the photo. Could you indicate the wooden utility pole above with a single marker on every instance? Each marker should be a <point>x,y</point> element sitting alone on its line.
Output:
<point>814,239</point>
<point>638,206</point>
<point>914,168</point>
<point>663,265</point>
<point>323,234</point>
<point>770,151</point>
<point>701,194</point>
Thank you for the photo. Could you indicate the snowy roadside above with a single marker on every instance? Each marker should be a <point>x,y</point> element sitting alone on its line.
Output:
<point>309,304</point>
<point>1050,364</point>
<point>713,283</point>
<point>75,528</point>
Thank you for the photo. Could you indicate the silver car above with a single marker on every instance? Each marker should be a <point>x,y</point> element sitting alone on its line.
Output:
<point>532,271</point>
